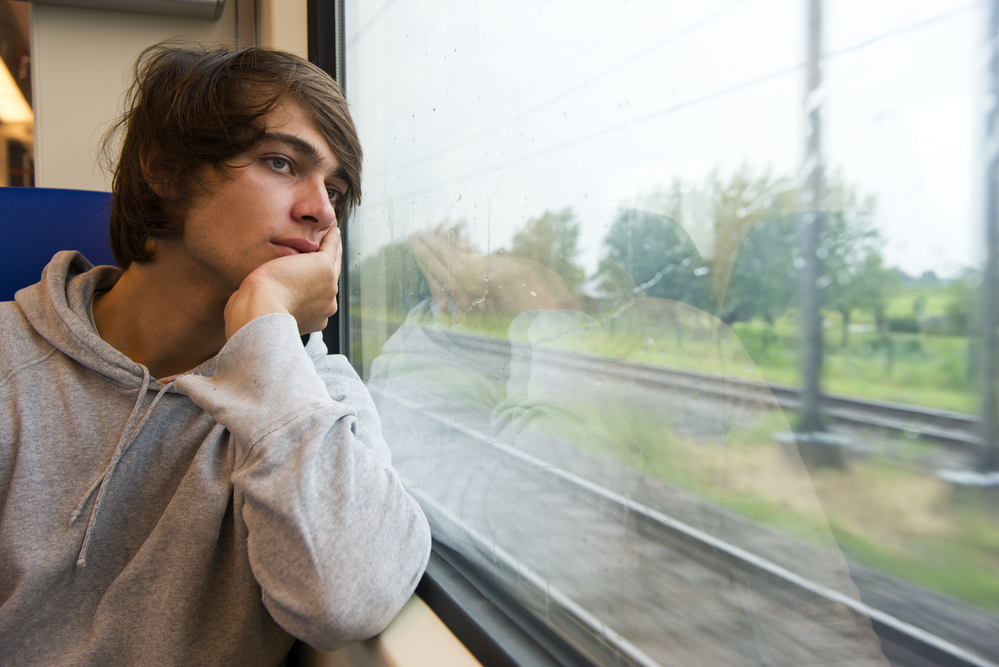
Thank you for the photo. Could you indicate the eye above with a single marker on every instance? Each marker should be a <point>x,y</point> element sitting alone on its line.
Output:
<point>279,163</point>
<point>333,194</point>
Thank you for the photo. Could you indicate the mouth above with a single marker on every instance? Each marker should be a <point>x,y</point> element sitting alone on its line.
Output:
<point>295,245</point>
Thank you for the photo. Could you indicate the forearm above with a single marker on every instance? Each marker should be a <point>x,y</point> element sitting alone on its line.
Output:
<point>335,542</point>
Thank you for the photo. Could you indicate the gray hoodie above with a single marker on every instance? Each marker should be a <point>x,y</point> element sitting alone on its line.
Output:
<point>200,519</point>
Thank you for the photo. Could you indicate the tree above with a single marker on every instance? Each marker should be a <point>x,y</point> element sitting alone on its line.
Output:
<point>962,303</point>
<point>764,275</point>
<point>551,240</point>
<point>394,266</point>
<point>748,239</point>
<point>739,206</point>
<point>853,274</point>
<point>873,288</point>
<point>661,258</point>
<point>751,225</point>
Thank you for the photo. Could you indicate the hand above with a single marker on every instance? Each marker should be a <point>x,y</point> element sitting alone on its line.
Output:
<point>462,281</point>
<point>304,286</point>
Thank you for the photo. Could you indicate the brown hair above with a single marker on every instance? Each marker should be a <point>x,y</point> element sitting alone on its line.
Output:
<point>193,106</point>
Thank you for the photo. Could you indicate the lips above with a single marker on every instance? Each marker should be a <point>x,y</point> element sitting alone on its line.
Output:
<point>298,244</point>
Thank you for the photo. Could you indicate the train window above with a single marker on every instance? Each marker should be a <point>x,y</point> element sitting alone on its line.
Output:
<point>674,314</point>
<point>16,116</point>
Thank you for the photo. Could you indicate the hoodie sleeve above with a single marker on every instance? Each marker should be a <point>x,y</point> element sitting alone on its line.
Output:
<point>335,542</point>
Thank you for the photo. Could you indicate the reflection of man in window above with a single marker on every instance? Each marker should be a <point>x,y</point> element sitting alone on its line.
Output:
<point>181,480</point>
<point>506,408</point>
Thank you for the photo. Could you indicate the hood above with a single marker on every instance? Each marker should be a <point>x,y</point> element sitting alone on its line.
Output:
<point>57,308</point>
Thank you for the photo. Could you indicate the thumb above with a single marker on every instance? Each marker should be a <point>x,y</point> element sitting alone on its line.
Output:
<point>331,242</point>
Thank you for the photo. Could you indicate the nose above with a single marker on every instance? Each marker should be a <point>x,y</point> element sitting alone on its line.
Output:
<point>313,206</point>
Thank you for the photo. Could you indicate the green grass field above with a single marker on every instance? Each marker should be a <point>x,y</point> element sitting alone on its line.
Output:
<point>930,371</point>
<point>935,300</point>
<point>937,371</point>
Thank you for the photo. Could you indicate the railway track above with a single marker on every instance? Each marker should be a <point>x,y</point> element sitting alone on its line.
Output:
<point>611,640</point>
<point>951,429</point>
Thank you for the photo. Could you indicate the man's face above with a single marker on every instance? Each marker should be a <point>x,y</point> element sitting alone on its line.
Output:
<point>280,204</point>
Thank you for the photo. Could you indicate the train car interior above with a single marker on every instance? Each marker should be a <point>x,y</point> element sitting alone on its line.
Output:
<point>680,318</point>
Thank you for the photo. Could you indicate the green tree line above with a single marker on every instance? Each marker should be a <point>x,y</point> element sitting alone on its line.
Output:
<point>744,265</point>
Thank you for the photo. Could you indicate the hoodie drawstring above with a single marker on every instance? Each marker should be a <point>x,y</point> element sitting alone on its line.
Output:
<point>105,478</point>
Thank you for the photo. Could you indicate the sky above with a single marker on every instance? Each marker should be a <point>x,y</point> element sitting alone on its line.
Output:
<point>493,112</point>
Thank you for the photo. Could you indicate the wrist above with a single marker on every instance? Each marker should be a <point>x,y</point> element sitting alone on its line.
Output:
<point>246,305</point>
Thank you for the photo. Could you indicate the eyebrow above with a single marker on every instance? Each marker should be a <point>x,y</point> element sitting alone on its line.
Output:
<point>310,152</point>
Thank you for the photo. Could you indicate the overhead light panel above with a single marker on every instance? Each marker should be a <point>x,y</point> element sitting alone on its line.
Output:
<point>13,107</point>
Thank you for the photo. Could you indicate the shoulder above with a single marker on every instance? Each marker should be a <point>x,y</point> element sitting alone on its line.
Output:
<point>20,344</point>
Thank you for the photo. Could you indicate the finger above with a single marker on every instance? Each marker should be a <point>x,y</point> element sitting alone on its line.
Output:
<point>418,245</point>
<point>420,254</point>
<point>438,293</point>
<point>435,286</point>
<point>451,257</point>
<point>429,262</point>
<point>337,265</point>
<point>439,245</point>
<point>332,248</point>
<point>331,242</point>
<point>466,267</point>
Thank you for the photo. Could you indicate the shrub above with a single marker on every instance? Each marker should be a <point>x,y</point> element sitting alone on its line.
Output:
<point>903,324</point>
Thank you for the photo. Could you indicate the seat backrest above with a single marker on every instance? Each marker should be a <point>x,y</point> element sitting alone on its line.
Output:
<point>35,223</point>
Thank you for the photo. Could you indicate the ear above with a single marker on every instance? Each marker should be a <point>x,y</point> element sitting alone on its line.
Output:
<point>157,177</point>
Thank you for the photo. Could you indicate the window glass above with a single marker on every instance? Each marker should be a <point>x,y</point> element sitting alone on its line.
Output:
<point>16,116</point>
<point>672,314</point>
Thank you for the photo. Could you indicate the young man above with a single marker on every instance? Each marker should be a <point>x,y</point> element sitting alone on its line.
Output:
<point>181,481</point>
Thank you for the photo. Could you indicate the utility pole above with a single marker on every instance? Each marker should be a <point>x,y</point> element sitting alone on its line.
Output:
<point>812,222</point>
<point>989,461</point>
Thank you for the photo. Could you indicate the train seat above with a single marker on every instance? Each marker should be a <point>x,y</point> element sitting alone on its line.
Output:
<point>39,222</point>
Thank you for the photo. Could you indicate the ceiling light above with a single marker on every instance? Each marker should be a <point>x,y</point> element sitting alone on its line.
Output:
<point>13,107</point>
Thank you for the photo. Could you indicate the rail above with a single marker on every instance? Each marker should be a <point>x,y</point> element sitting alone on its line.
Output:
<point>948,428</point>
<point>929,648</point>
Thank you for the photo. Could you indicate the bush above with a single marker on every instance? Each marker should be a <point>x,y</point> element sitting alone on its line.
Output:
<point>903,324</point>
<point>958,316</point>
<point>935,326</point>
<point>756,340</point>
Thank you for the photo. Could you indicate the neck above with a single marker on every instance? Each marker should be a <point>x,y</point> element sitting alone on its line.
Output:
<point>161,318</point>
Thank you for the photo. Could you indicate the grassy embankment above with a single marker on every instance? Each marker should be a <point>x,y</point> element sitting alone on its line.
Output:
<point>900,519</point>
